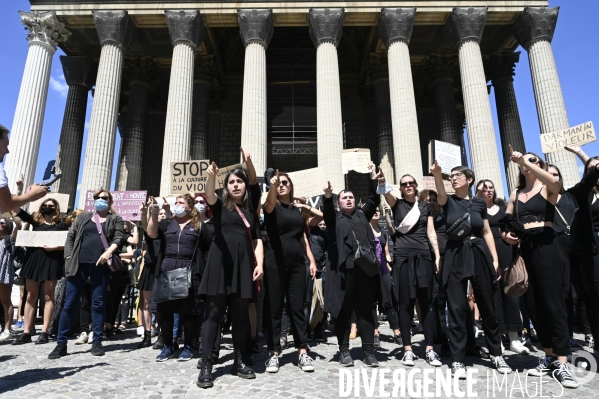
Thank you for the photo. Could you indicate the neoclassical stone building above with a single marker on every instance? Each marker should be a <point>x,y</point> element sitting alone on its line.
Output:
<point>292,82</point>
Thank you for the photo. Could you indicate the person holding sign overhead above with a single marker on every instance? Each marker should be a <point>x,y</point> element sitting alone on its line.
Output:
<point>286,277</point>
<point>41,265</point>
<point>470,255</point>
<point>234,264</point>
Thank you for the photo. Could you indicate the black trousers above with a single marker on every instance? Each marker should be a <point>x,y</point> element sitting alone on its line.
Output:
<point>360,293</point>
<point>211,328</point>
<point>282,283</point>
<point>457,305</point>
<point>387,301</point>
<point>507,307</point>
<point>590,283</point>
<point>167,322</point>
<point>541,254</point>
<point>406,304</point>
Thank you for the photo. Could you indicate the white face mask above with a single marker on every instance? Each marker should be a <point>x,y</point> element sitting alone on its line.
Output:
<point>200,208</point>
<point>179,211</point>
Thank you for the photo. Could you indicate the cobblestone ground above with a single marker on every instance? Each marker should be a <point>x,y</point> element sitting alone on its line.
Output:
<point>126,372</point>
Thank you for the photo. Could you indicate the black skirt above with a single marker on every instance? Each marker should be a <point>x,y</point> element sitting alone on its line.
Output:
<point>41,265</point>
<point>146,279</point>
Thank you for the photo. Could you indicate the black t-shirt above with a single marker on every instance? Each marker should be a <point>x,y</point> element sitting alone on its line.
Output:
<point>285,228</point>
<point>318,244</point>
<point>456,207</point>
<point>91,243</point>
<point>567,206</point>
<point>416,238</point>
<point>494,221</point>
<point>440,222</point>
<point>595,215</point>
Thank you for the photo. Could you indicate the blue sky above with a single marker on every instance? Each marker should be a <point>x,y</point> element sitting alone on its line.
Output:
<point>574,46</point>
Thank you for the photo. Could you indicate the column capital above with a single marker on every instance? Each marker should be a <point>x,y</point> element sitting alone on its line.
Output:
<point>466,24</point>
<point>378,67</point>
<point>185,27</point>
<point>114,27</point>
<point>255,26</point>
<point>535,24</point>
<point>204,69</point>
<point>140,69</point>
<point>440,66</point>
<point>80,71</point>
<point>396,25</point>
<point>44,27</point>
<point>501,65</point>
<point>326,25</point>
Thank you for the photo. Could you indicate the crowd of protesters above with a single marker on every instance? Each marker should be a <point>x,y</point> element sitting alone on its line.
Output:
<point>233,260</point>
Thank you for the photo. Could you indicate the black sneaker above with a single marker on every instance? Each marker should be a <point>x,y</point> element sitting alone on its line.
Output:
<point>562,374</point>
<point>97,349</point>
<point>545,367</point>
<point>377,341</point>
<point>458,370</point>
<point>397,339</point>
<point>345,359</point>
<point>477,351</point>
<point>24,338</point>
<point>159,343</point>
<point>59,351</point>
<point>370,359</point>
<point>43,338</point>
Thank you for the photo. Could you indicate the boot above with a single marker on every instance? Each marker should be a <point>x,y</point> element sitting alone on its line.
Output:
<point>205,377</point>
<point>147,341</point>
<point>159,342</point>
<point>239,367</point>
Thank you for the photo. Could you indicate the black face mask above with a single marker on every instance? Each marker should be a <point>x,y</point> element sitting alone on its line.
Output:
<point>47,211</point>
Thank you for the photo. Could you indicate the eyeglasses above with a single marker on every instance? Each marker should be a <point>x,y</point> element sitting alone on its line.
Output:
<point>407,183</point>
<point>456,175</point>
<point>533,159</point>
<point>200,202</point>
<point>2,223</point>
<point>284,182</point>
<point>104,198</point>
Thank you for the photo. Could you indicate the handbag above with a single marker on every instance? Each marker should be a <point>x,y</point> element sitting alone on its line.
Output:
<point>249,233</point>
<point>515,275</point>
<point>114,262</point>
<point>461,228</point>
<point>174,284</point>
<point>365,257</point>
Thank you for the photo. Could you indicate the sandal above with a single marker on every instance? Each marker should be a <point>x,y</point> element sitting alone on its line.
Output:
<point>122,326</point>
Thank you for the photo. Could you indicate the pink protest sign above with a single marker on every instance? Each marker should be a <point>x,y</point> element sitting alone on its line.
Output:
<point>126,203</point>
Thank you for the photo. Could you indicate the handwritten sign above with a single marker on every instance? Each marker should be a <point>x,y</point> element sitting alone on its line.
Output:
<point>448,155</point>
<point>62,199</point>
<point>189,176</point>
<point>428,183</point>
<point>26,238</point>
<point>222,173</point>
<point>574,136</point>
<point>355,159</point>
<point>308,182</point>
<point>126,203</point>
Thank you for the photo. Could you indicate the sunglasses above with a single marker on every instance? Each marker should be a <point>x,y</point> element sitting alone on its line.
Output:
<point>533,159</point>
<point>407,183</point>
<point>200,202</point>
<point>284,182</point>
<point>104,198</point>
<point>2,223</point>
<point>456,175</point>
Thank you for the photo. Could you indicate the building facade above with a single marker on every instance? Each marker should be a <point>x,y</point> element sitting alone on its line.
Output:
<point>292,82</point>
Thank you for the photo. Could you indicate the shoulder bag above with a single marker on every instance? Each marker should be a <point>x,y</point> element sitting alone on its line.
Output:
<point>174,284</point>
<point>515,275</point>
<point>249,233</point>
<point>461,228</point>
<point>114,262</point>
<point>365,256</point>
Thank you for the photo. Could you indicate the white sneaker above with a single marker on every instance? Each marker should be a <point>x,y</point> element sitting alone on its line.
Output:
<point>458,370</point>
<point>82,338</point>
<point>272,364</point>
<point>433,359</point>
<point>140,331</point>
<point>90,338</point>
<point>501,365</point>
<point>305,362</point>
<point>518,347</point>
<point>6,334</point>
<point>408,358</point>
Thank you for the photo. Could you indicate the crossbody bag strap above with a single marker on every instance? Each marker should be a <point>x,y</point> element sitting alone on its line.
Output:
<point>195,249</point>
<point>563,218</point>
<point>100,231</point>
<point>247,229</point>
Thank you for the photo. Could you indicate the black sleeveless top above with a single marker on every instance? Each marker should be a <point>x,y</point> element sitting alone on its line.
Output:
<point>536,209</point>
<point>494,221</point>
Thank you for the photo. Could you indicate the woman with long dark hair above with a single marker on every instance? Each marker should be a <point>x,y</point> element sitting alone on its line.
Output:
<point>471,258</point>
<point>414,265</point>
<point>234,264</point>
<point>533,204</point>
<point>41,265</point>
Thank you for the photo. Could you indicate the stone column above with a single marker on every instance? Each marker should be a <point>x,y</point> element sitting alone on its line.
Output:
<point>45,31</point>
<point>395,30</point>
<point>442,69</point>
<point>142,72</point>
<point>378,71</point>
<point>122,129</point>
<point>534,30</point>
<point>465,29</point>
<point>153,142</point>
<point>186,30</point>
<point>256,29</point>
<point>204,73</point>
<point>326,28</point>
<point>115,31</point>
<point>501,72</point>
<point>80,75</point>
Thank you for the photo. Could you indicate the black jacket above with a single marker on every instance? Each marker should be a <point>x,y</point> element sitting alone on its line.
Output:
<point>583,235</point>
<point>341,245</point>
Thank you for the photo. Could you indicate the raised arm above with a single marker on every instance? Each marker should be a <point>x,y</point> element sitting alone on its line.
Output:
<point>247,158</point>
<point>143,209</point>
<point>152,228</point>
<point>271,198</point>
<point>579,153</point>
<point>441,193</point>
<point>552,183</point>
<point>211,183</point>
<point>9,201</point>
<point>374,199</point>
<point>329,208</point>
<point>25,216</point>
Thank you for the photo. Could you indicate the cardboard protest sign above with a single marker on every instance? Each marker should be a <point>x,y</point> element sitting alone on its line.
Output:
<point>448,155</point>
<point>62,199</point>
<point>26,238</point>
<point>222,173</point>
<point>355,159</point>
<point>574,136</point>
<point>126,203</point>
<point>428,183</point>
<point>308,182</point>
<point>189,176</point>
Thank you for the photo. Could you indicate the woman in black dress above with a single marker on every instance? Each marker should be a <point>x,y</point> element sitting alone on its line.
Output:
<point>286,277</point>
<point>473,258</point>
<point>183,241</point>
<point>507,307</point>
<point>234,264</point>
<point>414,265</point>
<point>41,265</point>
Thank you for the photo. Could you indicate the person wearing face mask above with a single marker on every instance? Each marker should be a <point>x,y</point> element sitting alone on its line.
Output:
<point>234,265</point>
<point>349,286</point>
<point>41,265</point>
<point>86,256</point>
